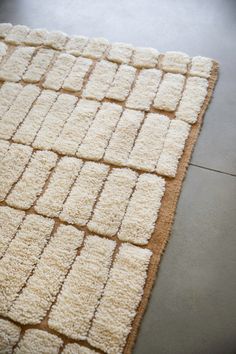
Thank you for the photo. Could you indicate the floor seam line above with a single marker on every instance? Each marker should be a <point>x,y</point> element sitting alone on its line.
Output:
<point>212,169</point>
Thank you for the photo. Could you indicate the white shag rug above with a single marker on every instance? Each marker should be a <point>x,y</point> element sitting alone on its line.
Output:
<point>92,137</point>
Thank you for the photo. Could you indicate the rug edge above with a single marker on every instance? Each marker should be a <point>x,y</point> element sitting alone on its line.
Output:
<point>152,276</point>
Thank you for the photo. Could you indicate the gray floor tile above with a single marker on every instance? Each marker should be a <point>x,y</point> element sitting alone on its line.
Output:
<point>192,308</point>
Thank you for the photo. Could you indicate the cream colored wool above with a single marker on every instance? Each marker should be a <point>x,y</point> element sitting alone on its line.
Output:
<point>39,65</point>
<point>173,148</point>
<point>60,70</point>
<point>100,131</point>
<point>100,80</point>
<point>169,93</point>
<point>42,287</point>
<point>56,40</point>
<point>36,36</point>
<point>201,66</point>
<point>51,202</point>
<point>17,34</point>
<point>122,83</point>
<point>54,121</point>
<point>122,294</point>
<point>110,118</point>
<point>17,112</point>
<point>21,257</point>
<point>145,57</point>
<point>3,50</point>
<point>31,184</point>
<point>5,29</point>
<point>113,201</point>
<point>95,48</point>
<point>36,341</point>
<point>79,204</point>
<point>32,123</point>
<point>10,220</point>
<point>16,64</point>
<point>9,336</point>
<point>82,289</point>
<point>120,53</point>
<point>75,80</point>
<point>12,166</point>
<point>74,348</point>
<point>76,127</point>
<point>175,62</point>
<point>8,93</point>
<point>123,138</point>
<point>140,218</point>
<point>145,89</point>
<point>149,143</point>
<point>4,146</point>
<point>192,99</point>
<point>76,45</point>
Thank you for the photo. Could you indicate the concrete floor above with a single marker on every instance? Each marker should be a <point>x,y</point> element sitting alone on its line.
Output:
<point>192,309</point>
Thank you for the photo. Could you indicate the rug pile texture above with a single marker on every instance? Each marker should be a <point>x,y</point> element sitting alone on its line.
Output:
<point>95,139</point>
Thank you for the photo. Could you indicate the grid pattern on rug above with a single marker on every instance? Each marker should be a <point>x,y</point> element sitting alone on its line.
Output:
<point>90,134</point>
